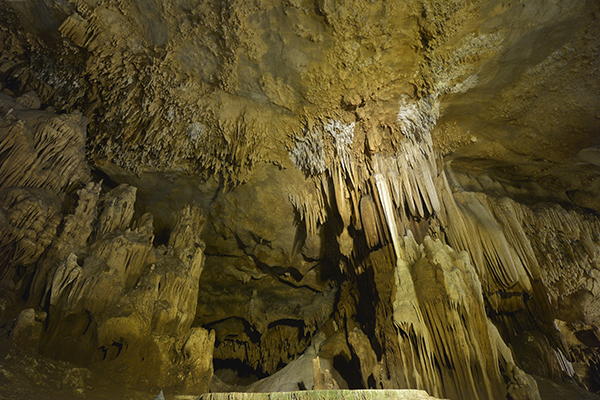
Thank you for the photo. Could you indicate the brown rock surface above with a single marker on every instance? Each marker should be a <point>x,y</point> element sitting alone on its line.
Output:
<point>298,194</point>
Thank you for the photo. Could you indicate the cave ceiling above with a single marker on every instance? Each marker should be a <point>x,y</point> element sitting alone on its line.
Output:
<point>396,187</point>
<point>216,88</point>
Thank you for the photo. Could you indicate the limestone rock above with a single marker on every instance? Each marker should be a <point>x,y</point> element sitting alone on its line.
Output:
<point>29,221</point>
<point>323,380</point>
<point>42,158</point>
<point>536,356</point>
<point>365,353</point>
<point>29,100</point>
<point>25,334</point>
<point>238,216</point>
<point>76,230</point>
<point>115,210</point>
<point>42,150</point>
<point>393,187</point>
<point>298,374</point>
<point>198,353</point>
<point>78,226</point>
<point>502,252</point>
<point>522,386</point>
<point>464,296</point>
<point>116,299</point>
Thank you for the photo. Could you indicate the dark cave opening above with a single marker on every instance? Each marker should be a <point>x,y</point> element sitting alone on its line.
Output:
<point>162,237</point>
<point>235,372</point>
<point>111,352</point>
<point>349,370</point>
<point>107,182</point>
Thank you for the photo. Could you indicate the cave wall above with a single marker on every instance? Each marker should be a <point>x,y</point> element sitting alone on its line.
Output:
<point>103,291</point>
<point>366,194</point>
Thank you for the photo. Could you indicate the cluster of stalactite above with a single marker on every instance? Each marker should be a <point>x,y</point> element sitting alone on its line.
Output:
<point>470,273</point>
<point>441,289</point>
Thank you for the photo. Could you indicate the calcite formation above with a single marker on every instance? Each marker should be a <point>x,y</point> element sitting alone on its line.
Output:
<point>109,295</point>
<point>300,196</point>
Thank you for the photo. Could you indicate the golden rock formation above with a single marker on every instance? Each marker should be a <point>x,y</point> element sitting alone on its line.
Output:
<point>280,196</point>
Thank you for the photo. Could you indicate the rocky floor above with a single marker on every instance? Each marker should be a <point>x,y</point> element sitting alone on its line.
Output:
<point>45,379</point>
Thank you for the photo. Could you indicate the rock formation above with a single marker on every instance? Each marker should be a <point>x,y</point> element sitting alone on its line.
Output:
<point>109,296</point>
<point>280,196</point>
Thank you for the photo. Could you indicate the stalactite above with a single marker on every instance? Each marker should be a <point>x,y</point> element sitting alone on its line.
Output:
<point>501,267</point>
<point>386,202</point>
<point>445,340</point>
<point>50,156</point>
<point>217,87</point>
<point>522,255</point>
<point>409,174</point>
<point>370,221</point>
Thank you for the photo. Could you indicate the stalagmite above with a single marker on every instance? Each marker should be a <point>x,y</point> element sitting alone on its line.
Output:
<point>447,343</point>
<point>322,378</point>
<point>67,272</point>
<point>25,334</point>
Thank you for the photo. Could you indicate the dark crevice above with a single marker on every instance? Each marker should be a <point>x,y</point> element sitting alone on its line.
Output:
<point>350,371</point>
<point>162,237</point>
<point>290,322</point>
<point>253,335</point>
<point>277,272</point>
<point>243,374</point>
<point>107,182</point>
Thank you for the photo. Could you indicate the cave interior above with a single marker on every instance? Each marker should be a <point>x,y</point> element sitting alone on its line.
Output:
<point>203,197</point>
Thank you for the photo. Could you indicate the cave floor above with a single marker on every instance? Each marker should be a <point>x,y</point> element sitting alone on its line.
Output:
<point>44,379</point>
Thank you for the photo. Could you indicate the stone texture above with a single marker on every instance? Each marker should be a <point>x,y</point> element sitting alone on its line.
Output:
<point>25,334</point>
<point>100,291</point>
<point>372,194</point>
<point>132,305</point>
<point>42,158</point>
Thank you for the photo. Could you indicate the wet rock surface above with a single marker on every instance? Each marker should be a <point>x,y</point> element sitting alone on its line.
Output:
<point>280,196</point>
